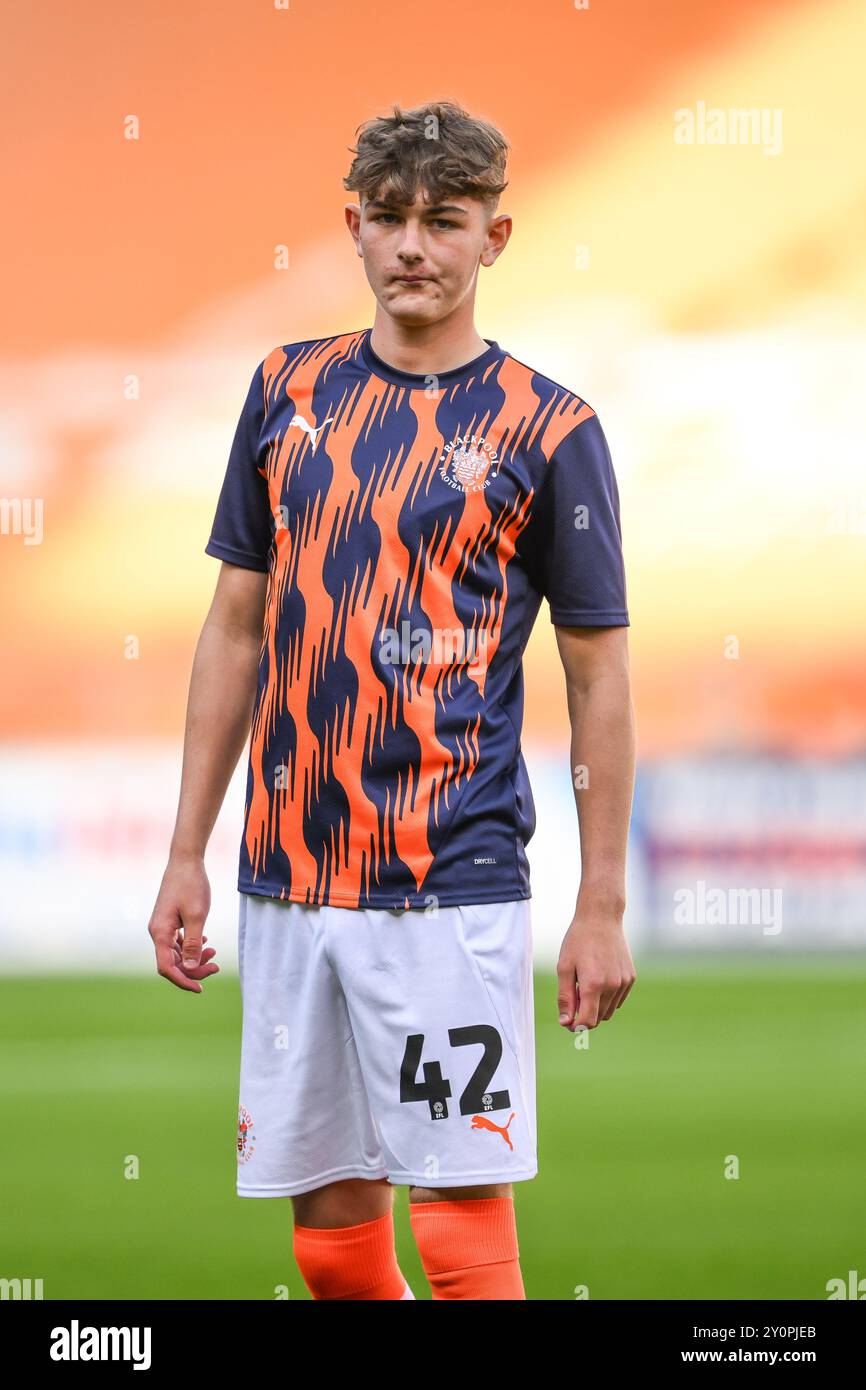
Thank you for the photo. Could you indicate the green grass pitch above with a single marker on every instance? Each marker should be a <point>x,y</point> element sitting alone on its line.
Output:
<point>762,1059</point>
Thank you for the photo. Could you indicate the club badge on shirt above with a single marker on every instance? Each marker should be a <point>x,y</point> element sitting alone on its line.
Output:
<point>469,463</point>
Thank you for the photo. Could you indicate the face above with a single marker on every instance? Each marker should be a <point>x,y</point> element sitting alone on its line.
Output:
<point>422,261</point>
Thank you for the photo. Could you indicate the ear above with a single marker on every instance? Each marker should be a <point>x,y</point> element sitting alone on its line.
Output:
<point>352,213</point>
<point>498,233</point>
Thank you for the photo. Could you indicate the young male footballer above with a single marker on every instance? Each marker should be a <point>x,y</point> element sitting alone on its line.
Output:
<point>397,503</point>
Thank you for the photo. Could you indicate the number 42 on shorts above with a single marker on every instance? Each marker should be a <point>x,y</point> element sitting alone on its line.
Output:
<point>436,1088</point>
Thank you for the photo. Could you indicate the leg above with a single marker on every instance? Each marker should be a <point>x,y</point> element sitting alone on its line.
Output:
<point>344,1241</point>
<point>343,1203</point>
<point>305,1130</point>
<point>467,1240</point>
<point>460,1194</point>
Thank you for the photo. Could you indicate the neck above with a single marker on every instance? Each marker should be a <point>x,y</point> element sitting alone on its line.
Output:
<point>429,347</point>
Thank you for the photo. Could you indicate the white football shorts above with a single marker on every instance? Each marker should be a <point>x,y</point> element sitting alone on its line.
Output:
<point>382,1043</point>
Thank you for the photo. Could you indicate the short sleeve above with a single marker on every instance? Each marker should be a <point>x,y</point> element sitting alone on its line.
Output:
<point>242,526</point>
<point>576,533</point>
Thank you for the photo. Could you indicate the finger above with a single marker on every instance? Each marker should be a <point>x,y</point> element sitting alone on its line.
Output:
<point>613,998</point>
<point>198,972</point>
<point>166,965</point>
<point>566,994</point>
<point>179,978</point>
<point>164,934</point>
<point>178,936</point>
<point>588,999</point>
<point>628,989</point>
<point>191,941</point>
<point>163,945</point>
<point>205,955</point>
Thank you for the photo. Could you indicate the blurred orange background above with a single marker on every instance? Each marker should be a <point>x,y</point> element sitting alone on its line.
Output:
<point>707,300</point>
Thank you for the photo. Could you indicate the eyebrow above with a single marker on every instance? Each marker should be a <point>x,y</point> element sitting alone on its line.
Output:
<point>393,207</point>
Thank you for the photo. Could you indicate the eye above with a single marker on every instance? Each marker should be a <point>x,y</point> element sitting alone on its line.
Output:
<point>444,222</point>
<point>379,216</point>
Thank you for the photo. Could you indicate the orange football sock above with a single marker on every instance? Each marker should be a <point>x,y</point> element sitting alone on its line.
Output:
<point>351,1261</point>
<point>469,1248</point>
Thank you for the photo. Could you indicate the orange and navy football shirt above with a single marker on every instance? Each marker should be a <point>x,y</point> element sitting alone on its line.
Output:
<point>410,527</point>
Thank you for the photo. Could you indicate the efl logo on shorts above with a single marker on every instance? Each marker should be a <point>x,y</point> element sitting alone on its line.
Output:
<point>246,1136</point>
<point>469,463</point>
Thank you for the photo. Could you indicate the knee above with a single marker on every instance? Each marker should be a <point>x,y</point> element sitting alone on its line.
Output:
<point>460,1194</point>
<point>344,1203</point>
<point>343,1240</point>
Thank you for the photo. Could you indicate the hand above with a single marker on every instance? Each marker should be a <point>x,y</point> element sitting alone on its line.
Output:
<point>595,969</point>
<point>177,923</point>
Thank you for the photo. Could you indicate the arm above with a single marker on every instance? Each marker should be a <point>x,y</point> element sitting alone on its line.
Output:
<point>595,969</point>
<point>219,711</point>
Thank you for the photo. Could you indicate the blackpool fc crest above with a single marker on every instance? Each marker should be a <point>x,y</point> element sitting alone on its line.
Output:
<point>469,463</point>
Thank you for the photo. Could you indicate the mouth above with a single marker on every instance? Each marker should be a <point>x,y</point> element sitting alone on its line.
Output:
<point>411,279</point>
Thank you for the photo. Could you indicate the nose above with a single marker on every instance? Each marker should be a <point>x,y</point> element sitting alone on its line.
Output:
<point>410,248</point>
